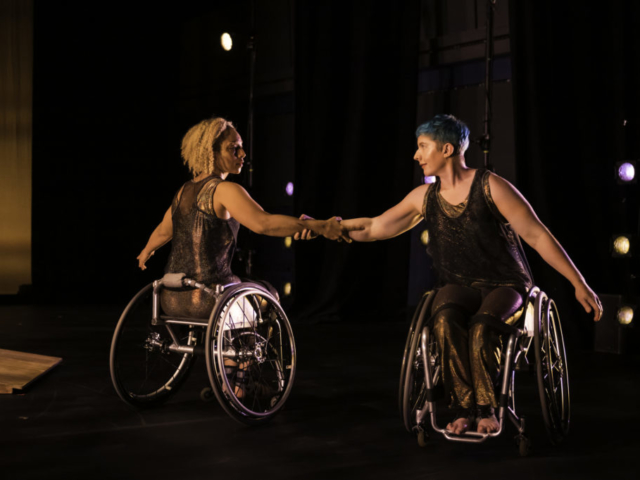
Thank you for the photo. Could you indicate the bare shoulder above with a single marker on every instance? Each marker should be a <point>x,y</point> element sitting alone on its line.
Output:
<point>230,188</point>
<point>504,194</point>
<point>416,196</point>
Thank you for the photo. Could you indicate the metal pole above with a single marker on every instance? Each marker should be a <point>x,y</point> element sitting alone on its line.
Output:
<point>485,141</point>
<point>252,72</point>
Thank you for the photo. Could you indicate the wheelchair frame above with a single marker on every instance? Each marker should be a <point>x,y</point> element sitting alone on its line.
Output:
<point>539,326</point>
<point>260,345</point>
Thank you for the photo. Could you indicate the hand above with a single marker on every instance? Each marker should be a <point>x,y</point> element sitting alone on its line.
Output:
<point>334,230</point>
<point>306,234</point>
<point>589,301</point>
<point>142,259</point>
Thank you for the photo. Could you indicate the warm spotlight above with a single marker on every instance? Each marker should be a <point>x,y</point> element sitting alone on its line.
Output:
<point>621,246</point>
<point>625,315</point>
<point>289,189</point>
<point>287,242</point>
<point>287,289</point>
<point>226,41</point>
<point>424,237</point>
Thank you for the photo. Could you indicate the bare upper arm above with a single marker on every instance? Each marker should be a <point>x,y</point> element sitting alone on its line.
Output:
<point>401,217</point>
<point>238,203</point>
<point>166,226</point>
<point>515,208</point>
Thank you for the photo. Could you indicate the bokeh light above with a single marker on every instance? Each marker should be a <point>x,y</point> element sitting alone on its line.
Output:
<point>287,289</point>
<point>621,245</point>
<point>226,41</point>
<point>626,172</point>
<point>289,189</point>
<point>625,315</point>
<point>424,237</point>
<point>288,241</point>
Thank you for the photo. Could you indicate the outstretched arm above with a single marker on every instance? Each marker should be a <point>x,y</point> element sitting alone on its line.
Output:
<point>246,210</point>
<point>160,236</point>
<point>517,211</point>
<point>398,219</point>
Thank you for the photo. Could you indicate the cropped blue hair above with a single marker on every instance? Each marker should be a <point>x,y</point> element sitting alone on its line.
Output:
<point>446,129</point>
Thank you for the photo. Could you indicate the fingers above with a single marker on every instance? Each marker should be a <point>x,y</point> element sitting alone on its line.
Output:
<point>306,234</point>
<point>597,308</point>
<point>585,305</point>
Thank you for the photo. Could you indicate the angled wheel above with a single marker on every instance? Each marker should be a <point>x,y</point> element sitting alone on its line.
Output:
<point>414,387</point>
<point>423,308</point>
<point>250,351</point>
<point>143,370</point>
<point>551,369</point>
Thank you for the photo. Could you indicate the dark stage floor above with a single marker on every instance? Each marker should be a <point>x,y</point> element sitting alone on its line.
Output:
<point>341,420</point>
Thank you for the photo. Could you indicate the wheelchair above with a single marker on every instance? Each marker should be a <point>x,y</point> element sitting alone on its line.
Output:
<point>534,342</point>
<point>247,343</point>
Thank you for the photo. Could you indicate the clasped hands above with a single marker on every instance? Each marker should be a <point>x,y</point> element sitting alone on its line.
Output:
<point>332,229</point>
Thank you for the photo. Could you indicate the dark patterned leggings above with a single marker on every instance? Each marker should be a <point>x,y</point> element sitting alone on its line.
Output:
<point>470,347</point>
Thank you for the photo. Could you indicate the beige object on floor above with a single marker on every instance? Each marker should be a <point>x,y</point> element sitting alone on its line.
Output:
<point>19,369</point>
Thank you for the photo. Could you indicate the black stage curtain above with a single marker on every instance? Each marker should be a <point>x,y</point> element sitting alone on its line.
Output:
<point>356,83</point>
<point>575,81</point>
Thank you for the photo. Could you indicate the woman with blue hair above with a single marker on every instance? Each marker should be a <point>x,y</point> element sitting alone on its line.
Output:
<point>472,216</point>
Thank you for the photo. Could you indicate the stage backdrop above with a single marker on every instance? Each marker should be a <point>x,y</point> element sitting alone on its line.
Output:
<point>355,101</point>
<point>16,61</point>
<point>577,110</point>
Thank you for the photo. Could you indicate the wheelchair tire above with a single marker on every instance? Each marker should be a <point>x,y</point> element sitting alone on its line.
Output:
<point>144,373</point>
<point>414,388</point>
<point>250,353</point>
<point>551,369</point>
<point>427,299</point>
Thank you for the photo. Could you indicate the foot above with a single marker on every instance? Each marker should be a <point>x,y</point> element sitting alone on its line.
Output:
<point>463,422</point>
<point>487,421</point>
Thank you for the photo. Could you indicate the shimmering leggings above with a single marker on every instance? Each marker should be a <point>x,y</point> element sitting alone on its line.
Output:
<point>471,350</point>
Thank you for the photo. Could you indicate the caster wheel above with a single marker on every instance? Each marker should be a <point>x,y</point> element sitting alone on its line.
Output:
<point>524,446</point>
<point>423,437</point>
<point>206,395</point>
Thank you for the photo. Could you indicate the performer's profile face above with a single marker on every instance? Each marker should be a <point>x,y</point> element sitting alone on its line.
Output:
<point>231,156</point>
<point>430,157</point>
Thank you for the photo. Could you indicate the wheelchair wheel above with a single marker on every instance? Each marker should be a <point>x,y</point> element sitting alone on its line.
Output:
<point>415,389</point>
<point>551,368</point>
<point>250,351</point>
<point>423,305</point>
<point>143,371</point>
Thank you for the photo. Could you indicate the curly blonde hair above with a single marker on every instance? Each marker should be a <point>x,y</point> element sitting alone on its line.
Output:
<point>201,142</point>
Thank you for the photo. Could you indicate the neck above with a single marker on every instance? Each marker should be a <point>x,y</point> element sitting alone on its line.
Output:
<point>454,172</point>
<point>204,175</point>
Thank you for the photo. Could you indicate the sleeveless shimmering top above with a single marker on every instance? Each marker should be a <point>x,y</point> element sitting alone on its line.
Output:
<point>203,244</point>
<point>472,244</point>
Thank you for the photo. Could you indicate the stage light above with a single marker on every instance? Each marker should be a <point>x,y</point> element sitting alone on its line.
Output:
<point>289,189</point>
<point>625,315</point>
<point>287,289</point>
<point>621,246</point>
<point>626,171</point>
<point>226,41</point>
<point>429,179</point>
<point>424,237</point>
<point>287,242</point>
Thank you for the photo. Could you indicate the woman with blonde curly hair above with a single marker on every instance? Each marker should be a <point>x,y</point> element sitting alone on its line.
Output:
<point>206,213</point>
